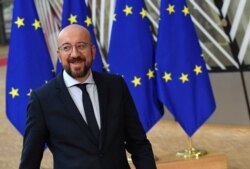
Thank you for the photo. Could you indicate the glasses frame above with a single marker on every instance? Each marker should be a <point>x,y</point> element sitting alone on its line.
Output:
<point>77,46</point>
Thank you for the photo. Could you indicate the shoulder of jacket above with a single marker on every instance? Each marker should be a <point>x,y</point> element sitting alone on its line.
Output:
<point>106,75</point>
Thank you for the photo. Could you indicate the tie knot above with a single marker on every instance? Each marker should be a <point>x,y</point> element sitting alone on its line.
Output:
<point>82,86</point>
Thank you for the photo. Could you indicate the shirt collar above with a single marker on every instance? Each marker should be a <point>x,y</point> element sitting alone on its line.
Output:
<point>70,81</point>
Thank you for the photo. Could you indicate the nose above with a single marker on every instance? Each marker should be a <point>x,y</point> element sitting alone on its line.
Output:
<point>74,52</point>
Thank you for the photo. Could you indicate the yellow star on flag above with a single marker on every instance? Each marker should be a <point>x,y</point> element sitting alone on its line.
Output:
<point>197,69</point>
<point>72,19</point>
<point>19,22</point>
<point>143,13</point>
<point>14,92</point>
<point>36,24</point>
<point>184,77</point>
<point>167,76</point>
<point>136,81</point>
<point>128,10</point>
<point>28,94</point>
<point>88,21</point>
<point>185,10</point>
<point>150,74</point>
<point>170,9</point>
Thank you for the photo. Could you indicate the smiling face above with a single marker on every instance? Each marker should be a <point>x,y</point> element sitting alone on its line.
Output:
<point>76,51</point>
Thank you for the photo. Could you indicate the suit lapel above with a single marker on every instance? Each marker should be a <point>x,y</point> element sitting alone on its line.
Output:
<point>71,107</point>
<point>103,97</point>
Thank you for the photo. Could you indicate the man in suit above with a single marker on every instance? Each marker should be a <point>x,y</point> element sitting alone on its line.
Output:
<point>57,115</point>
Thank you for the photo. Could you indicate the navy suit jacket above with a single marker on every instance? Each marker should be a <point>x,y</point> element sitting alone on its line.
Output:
<point>53,118</point>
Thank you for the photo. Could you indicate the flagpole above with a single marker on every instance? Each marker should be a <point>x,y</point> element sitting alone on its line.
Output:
<point>190,152</point>
<point>190,143</point>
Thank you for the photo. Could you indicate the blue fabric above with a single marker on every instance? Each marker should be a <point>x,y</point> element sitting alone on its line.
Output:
<point>29,63</point>
<point>131,54</point>
<point>178,53</point>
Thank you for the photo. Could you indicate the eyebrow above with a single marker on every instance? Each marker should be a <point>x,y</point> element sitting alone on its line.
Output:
<point>67,43</point>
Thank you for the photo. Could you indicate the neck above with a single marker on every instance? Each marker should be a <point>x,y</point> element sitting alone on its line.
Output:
<point>84,78</point>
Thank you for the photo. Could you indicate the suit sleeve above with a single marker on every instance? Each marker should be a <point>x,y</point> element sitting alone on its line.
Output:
<point>137,143</point>
<point>34,136</point>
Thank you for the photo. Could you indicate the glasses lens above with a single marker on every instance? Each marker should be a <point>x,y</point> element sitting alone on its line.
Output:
<point>66,48</point>
<point>81,46</point>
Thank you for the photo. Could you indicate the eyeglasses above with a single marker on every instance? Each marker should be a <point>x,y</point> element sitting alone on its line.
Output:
<point>80,46</point>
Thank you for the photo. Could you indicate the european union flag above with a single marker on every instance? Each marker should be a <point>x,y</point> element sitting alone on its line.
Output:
<point>76,12</point>
<point>29,63</point>
<point>182,79</point>
<point>131,54</point>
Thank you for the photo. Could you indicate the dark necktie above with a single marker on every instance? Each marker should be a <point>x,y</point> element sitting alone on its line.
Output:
<point>89,111</point>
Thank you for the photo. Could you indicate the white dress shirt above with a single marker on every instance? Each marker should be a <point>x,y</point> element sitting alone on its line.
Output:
<point>76,94</point>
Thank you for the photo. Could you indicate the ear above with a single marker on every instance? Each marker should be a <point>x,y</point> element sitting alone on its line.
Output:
<point>59,57</point>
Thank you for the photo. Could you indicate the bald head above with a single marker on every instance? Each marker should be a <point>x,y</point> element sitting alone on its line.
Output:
<point>73,31</point>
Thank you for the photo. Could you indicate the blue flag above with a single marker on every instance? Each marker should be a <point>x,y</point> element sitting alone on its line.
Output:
<point>131,54</point>
<point>182,79</point>
<point>76,12</point>
<point>29,63</point>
